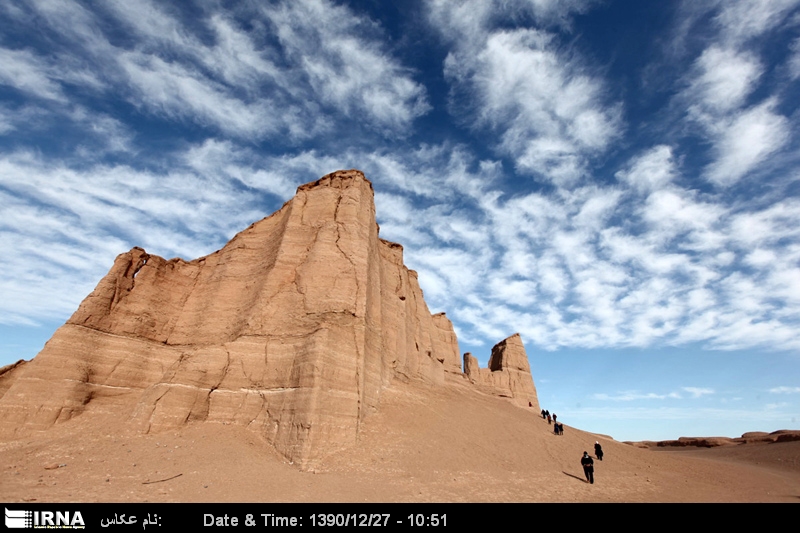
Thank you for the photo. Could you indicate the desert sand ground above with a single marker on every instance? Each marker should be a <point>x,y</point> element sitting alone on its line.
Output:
<point>424,445</point>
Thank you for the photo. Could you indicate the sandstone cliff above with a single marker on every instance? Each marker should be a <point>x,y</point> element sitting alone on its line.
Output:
<point>508,374</point>
<point>292,329</point>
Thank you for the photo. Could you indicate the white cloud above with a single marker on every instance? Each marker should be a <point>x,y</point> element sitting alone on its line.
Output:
<point>25,71</point>
<point>68,18</point>
<point>549,112</point>
<point>794,60</point>
<point>177,91</point>
<point>573,268</point>
<point>740,20</point>
<point>470,18</point>
<point>576,267</point>
<point>521,293</point>
<point>459,269</point>
<point>548,109</point>
<point>747,141</point>
<point>155,21</point>
<point>346,68</point>
<point>725,78</point>
<point>105,133</point>
<point>776,406</point>
<point>768,226</point>
<point>660,417</point>
<point>627,396</point>
<point>650,171</point>
<point>65,222</point>
<point>697,392</point>
<point>735,23</point>
<point>785,390</point>
<point>219,75</point>
<point>6,120</point>
<point>671,213</point>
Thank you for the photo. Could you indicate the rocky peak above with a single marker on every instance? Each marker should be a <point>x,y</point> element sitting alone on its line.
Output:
<point>508,373</point>
<point>292,329</point>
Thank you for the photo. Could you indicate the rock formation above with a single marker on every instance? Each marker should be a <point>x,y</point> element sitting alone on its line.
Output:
<point>751,437</point>
<point>292,329</point>
<point>509,373</point>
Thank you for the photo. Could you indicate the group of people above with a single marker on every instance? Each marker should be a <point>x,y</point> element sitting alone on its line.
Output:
<point>550,419</point>
<point>558,429</point>
<point>588,463</point>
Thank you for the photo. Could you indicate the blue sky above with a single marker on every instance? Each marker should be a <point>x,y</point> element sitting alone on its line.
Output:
<point>617,181</point>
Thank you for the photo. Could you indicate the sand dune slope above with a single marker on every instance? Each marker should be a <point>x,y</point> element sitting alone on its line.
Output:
<point>445,444</point>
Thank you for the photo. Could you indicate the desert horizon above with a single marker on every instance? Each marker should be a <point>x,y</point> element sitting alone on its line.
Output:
<point>424,445</point>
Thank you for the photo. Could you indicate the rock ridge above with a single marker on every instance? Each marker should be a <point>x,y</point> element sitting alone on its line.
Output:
<point>292,329</point>
<point>508,373</point>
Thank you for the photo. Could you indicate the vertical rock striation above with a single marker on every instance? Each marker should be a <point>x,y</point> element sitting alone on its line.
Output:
<point>508,374</point>
<point>292,329</point>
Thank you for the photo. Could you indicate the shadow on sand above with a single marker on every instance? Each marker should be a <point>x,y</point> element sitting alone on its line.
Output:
<point>574,476</point>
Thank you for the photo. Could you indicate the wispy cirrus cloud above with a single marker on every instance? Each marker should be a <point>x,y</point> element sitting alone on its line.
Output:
<point>722,81</point>
<point>345,68</point>
<point>583,271</point>
<point>30,74</point>
<point>572,269</point>
<point>720,96</point>
<point>794,60</point>
<point>627,396</point>
<point>748,417</point>
<point>669,422</point>
<point>73,222</point>
<point>744,19</point>
<point>746,140</point>
<point>697,392</point>
<point>291,77</point>
<point>785,390</point>
<point>549,111</point>
<point>650,171</point>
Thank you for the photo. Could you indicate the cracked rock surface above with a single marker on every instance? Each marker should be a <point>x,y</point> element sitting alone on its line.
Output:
<point>293,329</point>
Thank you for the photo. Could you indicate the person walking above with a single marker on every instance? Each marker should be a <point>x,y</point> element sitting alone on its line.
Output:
<point>598,450</point>
<point>588,467</point>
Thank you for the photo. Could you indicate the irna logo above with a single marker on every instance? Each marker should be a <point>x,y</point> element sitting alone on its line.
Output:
<point>44,520</point>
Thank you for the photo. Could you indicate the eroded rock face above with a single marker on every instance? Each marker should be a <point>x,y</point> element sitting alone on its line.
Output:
<point>508,374</point>
<point>292,329</point>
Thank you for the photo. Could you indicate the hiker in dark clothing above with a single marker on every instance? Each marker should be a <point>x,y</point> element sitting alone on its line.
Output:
<point>555,418</point>
<point>544,414</point>
<point>598,450</point>
<point>588,467</point>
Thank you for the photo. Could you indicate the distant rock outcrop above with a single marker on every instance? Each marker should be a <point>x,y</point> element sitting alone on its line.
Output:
<point>292,329</point>
<point>508,374</point>
<point>751,437</point>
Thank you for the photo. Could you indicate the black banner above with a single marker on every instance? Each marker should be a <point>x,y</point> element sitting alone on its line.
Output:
<point>430,516</point>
